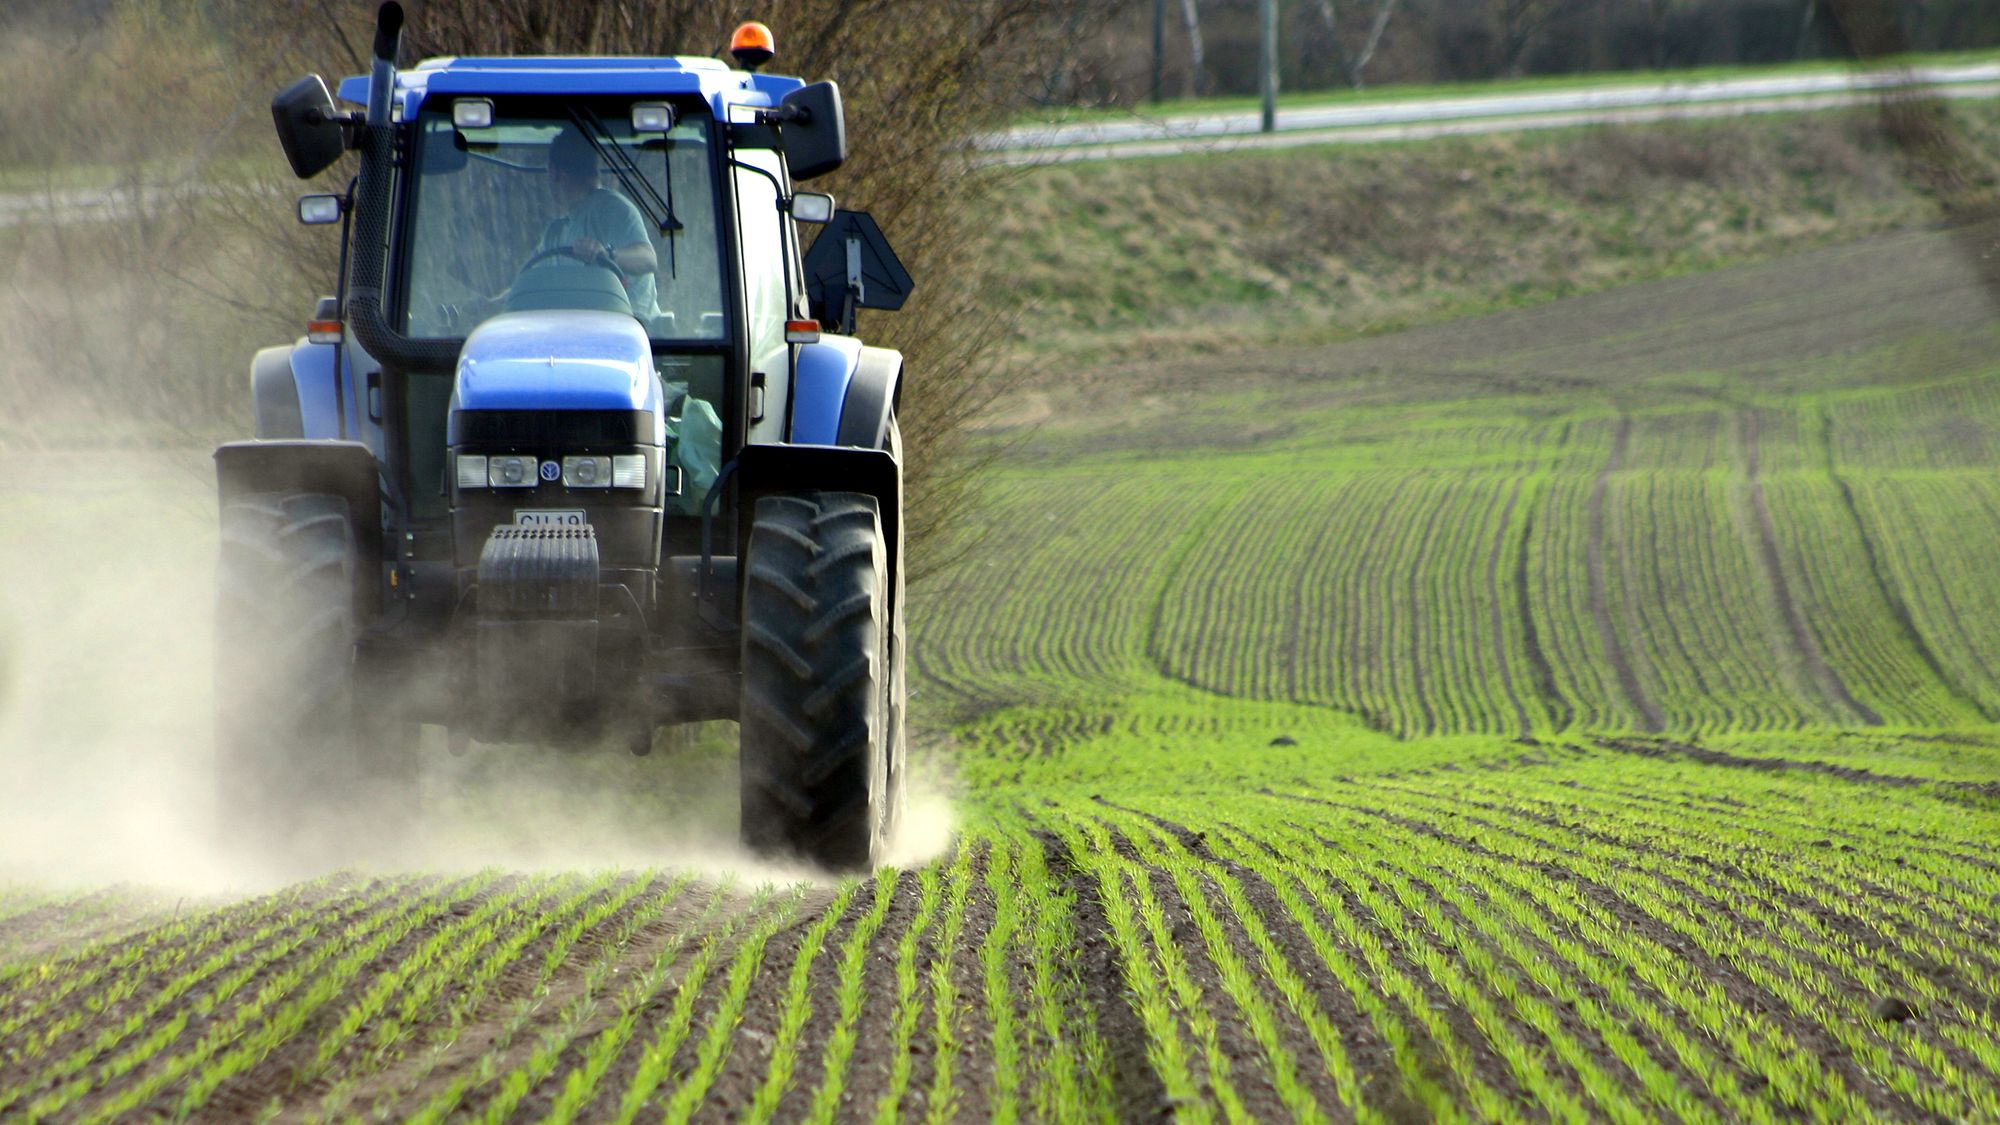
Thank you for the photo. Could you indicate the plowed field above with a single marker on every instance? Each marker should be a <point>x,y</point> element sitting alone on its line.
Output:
<point>1585,713</point>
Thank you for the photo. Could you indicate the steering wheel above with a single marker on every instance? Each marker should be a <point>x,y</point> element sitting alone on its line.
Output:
<point>604,260</point>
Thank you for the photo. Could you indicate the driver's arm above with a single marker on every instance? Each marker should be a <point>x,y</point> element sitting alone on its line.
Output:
<point>637,258</point>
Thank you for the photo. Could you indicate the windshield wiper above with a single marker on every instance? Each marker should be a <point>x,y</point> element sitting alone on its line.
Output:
<point>659,210</point>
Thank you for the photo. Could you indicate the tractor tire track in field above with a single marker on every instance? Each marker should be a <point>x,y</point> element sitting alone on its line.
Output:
<point>1420,627</point>
<point>1496,618</point>
<point>1804,644</point>
<point>1885,584</point>
<point>1851,899</point>
<point>757,1037</point>
<point>1169,573</point>
<point>707,947</point>
<point>1685,930</point>
<point>1653,720</point>
<point>1662,1006</point>
<point>1981,792</point>
<point>1137,1090</point>
<point>1561,714</point>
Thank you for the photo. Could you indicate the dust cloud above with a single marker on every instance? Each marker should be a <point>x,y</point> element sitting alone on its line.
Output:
<point>106,748</point>
<point>105,601</point>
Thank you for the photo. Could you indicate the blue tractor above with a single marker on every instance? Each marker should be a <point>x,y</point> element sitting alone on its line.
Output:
<point>583,448</point>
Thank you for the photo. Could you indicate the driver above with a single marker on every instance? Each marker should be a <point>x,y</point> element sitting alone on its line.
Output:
<point>594,220</point>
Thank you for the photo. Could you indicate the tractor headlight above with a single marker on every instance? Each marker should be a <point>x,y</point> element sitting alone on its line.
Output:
<point>587,472</point>
<point>628,470</point>
<point>471,471</point>
<point>512,471</point>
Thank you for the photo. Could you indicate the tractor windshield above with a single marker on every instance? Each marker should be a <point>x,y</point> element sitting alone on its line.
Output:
<point>561,205</point>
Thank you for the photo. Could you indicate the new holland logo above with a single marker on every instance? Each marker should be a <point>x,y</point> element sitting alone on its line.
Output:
<point>551,471</point>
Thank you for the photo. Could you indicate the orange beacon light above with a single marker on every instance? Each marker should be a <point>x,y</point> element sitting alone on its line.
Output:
<point>752,45</point>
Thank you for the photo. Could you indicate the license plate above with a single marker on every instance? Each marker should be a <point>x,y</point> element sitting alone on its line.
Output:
<point>549,517</point>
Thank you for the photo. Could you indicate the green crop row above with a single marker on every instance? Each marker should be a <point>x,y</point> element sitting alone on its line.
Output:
<point>1613,573</point>
<point>1600,935</point>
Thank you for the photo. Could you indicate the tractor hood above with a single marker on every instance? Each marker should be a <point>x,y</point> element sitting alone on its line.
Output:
<point>558,360</point>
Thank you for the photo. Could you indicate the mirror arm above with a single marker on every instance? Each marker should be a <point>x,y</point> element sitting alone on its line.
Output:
<point>785,115</point>
<point>350,123</point>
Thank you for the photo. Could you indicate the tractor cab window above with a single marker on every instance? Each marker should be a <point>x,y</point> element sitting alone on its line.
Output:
<point>562,206</point>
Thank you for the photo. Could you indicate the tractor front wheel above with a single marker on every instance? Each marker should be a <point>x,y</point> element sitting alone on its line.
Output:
<point>301,763</point>
<point>819,717</point>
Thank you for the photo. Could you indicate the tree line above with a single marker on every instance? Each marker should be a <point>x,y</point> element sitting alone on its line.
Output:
<point>1211,46</point>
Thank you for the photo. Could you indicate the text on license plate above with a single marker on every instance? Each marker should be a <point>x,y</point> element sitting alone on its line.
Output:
<point>549,517</point>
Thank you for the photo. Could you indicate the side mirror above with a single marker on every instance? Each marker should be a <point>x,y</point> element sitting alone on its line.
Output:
<point>812,207</point>
<point>308,126</point>
<point>815,130</point>
<point>851,267</point>
<point>319,210</point>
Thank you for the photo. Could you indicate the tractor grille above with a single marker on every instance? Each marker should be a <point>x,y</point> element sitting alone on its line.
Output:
<point>551,429</point>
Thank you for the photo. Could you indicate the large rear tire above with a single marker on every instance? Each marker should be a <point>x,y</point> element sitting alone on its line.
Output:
<point>820,713</point>
<point>298,755</point>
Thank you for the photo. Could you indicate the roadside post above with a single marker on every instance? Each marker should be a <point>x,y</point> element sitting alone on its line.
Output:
<point>1159,46</point>
<point>1268,63</point>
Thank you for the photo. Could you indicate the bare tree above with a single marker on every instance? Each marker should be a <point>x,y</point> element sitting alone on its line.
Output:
<point>1191,20</point>
<point>1354,64</point>
<point>1519,23</point>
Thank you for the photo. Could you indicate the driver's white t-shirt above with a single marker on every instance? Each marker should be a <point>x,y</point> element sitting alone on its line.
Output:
<point>612,219</point>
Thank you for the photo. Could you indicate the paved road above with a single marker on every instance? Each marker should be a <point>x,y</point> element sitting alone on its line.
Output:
<point>80,205</point>
<point>1417,118</point>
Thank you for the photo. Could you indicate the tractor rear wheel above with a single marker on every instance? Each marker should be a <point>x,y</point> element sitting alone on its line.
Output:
<point>296,753</point>
<point>820,718</point>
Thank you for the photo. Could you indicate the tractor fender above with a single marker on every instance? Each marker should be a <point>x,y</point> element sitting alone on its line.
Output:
<point>293,387</point>
<point>346,469</point>
<point>871,400</point>
<point>843,393</point>
<point>275,394</point>
<point>765,469</point>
